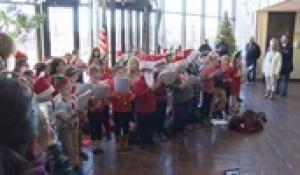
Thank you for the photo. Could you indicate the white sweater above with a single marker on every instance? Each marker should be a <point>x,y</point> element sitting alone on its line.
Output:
<point>272,64</point>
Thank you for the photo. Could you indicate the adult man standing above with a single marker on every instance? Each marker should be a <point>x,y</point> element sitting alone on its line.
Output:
<point>222,48</point>
<point>252,54</point>
<point>286,50</point>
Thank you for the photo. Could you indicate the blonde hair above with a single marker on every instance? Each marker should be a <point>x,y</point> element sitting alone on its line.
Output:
<point>129,67</point>
<point>274,44</point>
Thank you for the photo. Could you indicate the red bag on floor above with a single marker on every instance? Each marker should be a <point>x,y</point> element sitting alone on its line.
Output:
<point>248,122</point>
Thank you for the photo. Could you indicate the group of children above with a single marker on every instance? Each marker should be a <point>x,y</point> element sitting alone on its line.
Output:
<point>143,110</point>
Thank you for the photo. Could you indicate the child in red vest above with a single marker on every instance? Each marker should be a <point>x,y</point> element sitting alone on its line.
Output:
<point>96,113</point>
<point>145,108</point>
<point>122,108</point>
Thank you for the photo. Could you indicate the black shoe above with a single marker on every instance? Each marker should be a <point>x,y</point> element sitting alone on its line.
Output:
<point>83,156</point>
<point>98,151</point>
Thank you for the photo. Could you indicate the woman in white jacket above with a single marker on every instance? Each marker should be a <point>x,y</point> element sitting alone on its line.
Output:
<point>271,67</point>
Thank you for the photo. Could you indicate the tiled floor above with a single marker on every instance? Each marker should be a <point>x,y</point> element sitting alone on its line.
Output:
<point>209,151</point>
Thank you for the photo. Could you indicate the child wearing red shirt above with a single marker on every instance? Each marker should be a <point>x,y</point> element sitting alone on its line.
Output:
<point>227,79</point>
<point>208,74</point>
<point>96,113</point>
<point>236,82</point>
<point>145,105</point>
<point>122,108</point>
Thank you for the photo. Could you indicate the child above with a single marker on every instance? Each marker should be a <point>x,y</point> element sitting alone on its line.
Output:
<point>182,98</point>
<point>227,79</point>
<point>123,114</point>
<point>236,81</point>
<point>96,112</point>
<point>145,108</point>
<point>57,70</point>
<point>207,75</point>
<point>72,73</point>
<point>68,122</point>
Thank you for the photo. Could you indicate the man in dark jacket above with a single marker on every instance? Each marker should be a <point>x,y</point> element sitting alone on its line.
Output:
<point>222,48</point>
<point>252,54</point>
<point>205,48</point>
<point>286,50</point>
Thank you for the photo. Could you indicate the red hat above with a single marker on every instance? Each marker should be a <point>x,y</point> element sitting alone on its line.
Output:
<point>150,61</point>
<point>20,55</point>
<point>43,88</point>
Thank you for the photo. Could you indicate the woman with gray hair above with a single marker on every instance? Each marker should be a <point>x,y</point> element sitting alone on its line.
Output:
<point>271,67</point>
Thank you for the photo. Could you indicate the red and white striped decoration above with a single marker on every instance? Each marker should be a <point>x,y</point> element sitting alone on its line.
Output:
<point>103,42</point>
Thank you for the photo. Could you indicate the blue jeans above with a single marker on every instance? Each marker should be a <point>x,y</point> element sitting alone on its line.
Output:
<point>251,74</point>
<point>282,84</point>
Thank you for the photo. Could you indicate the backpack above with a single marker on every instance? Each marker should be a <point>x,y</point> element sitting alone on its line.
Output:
<point>248,122</point>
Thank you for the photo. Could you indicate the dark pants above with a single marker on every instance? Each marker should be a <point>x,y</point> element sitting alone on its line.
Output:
<point>195,109</point>
<point>160,117</point>
<point>182,112</point>
<point>206,104</point>
<point>227,91</point>
<point>282,84</point>
<point>122,120</point>
<point>251,74</point>
<point>106,121</point>
<point>145,123</point>
<point>96,120</point>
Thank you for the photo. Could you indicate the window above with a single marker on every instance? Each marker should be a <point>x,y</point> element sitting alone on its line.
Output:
<point>193,6</point>
<point>141,29</point>
<point>127,31</point>
<point>227,7</point>
<point>84,33</point>
<point>173,29</point>
<point>211,29</point>
<point>152,31</point>
<point>173,5</point>
<point>193,31</point>
<point>61,30</point>
<point>134,32</point>
<point>211,7</point>
<point>118,30</point>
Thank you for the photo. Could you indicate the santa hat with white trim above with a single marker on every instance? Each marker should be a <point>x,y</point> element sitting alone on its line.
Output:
<point>43,89</point>
<point>151,61</point>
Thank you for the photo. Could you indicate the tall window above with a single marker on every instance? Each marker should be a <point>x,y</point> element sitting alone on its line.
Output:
<point>193,30</point>
<point>173,6</point>
<point>211,29</point>
<point>227,7</point>
<point>193,6</point>
<point>118,30</point>
<point>173,29</point>
<point>84,33</point>
<point>211,7</point>
<point>61,30</point>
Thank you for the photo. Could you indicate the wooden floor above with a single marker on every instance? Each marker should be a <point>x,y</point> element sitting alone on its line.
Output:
<point>209,151</point>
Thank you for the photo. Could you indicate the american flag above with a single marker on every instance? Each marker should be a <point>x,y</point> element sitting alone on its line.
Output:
<point>103,39</point>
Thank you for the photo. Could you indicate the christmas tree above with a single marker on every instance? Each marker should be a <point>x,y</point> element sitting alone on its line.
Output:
<point>225,33</point>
